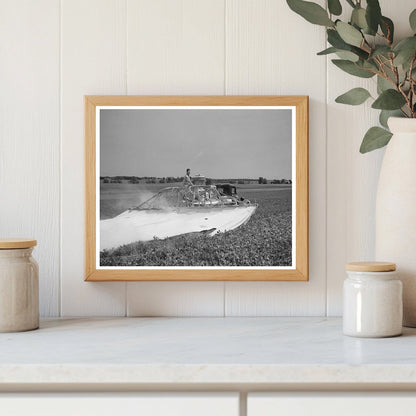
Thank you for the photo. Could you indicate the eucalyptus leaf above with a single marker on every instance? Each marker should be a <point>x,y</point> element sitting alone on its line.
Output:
<point>389,72</point>
<point>373,15</point>
<point>336,41</point>
<point>349,34</point>
<point>360,52</point>
<point>389,100</point>
<point>311,12</point>
<point>375,138</point>
<point>352,68</point>
<point>386,114</point>
<point>334,7</point>
<point>383,84</point>
<point>373,65</point>
<point>405,43</point>
<point>405,50</point>
<point>412,20</point>
<point>387,27</point>
<point>356,96</point>
<point>327,51</point>
<point>358,18</point>
<point>381,50</point>
<point>350,56</point>
<point>347,55</point>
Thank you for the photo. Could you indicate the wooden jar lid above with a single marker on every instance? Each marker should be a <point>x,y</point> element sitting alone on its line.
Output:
<point>371,266</point>
<point>11,243</point>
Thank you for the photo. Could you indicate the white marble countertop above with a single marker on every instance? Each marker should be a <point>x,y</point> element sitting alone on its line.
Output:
<point>203,351</point>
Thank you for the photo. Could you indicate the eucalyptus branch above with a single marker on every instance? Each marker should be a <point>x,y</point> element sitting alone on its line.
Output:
<point>387,60</point>
<point>387,38</point>
<point>385,75</point>
<point>369,46</point>
<point>365,44</point>
<point>380,64</point>
<point>413,89</point>
<point>412,85</point>
<point>395,71</point>
<point>406,97</point>
<point>372,71</point>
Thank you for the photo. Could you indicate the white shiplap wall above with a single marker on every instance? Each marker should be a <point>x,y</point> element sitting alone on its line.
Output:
<point>93,61</point>
<point>54,52</point>
<point>29,134</point>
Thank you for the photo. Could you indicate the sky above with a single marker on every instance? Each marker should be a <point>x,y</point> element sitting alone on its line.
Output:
<point>217,143</point>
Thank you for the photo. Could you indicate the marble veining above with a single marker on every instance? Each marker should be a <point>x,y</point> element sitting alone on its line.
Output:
<point>203,350</point>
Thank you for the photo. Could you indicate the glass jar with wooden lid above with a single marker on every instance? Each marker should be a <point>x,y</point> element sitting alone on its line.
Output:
<point>19,286</point>
<point>372,300</point>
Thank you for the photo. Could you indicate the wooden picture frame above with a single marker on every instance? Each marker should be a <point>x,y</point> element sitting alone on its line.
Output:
<point>298,105</point>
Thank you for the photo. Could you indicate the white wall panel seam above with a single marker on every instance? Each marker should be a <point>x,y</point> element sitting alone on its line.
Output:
<point>127,71</point>
<point>225,70</point>
<point>60,162</point>
<point>126,91</point>
<point>326,182</point>
<point>224,290</point>
<point>93,35</point>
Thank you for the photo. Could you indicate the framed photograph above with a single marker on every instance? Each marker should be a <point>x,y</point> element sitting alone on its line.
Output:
<point>196,188</point>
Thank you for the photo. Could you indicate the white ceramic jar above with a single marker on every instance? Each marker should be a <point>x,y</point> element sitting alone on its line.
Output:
<point>372,300</point>
<point>19,286</point>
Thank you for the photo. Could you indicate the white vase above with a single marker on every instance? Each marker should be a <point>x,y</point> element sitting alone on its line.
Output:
<point>396,210</point>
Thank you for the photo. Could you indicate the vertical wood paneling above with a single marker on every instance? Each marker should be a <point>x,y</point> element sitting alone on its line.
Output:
<point>175,299</point>
<point>93,62</point>
<point>29,134</point>
<point>272,51</point>
<point>175,47</point>
<point>352,178</point>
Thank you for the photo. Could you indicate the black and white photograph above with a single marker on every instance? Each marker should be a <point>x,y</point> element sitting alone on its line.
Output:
<point>195,187</point>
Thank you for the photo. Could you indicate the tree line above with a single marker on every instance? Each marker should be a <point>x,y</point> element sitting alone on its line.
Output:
<point>175,179</point>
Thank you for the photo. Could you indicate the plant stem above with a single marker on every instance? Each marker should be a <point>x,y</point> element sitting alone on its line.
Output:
<point>397,84</point>
<point>385,75</point>
<point>408,102</point>
<point>366,43</point>
<point>395,71</point>
<point>412,86</point>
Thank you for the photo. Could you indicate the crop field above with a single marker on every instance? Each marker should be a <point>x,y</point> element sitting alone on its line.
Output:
<point>265,240</point>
